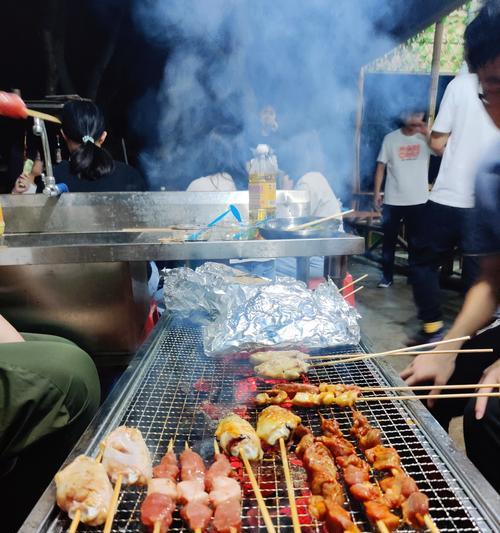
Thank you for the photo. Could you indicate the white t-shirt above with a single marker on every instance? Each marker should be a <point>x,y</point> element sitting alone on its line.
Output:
<point>216,182</point>
<point>323,199</point>
<point>407,160</point>
<point>473,133</point>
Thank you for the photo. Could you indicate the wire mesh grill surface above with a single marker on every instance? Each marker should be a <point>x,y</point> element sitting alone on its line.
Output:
<point>167,404</point>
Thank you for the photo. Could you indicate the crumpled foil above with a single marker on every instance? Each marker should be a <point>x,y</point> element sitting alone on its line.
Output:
<point>203,294</point>
<point>280,315</point>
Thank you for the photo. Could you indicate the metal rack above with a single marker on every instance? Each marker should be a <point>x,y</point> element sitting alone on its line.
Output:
<point>158,395</point>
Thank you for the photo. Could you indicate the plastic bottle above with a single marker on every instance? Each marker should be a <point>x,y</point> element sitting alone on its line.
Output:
<point>262,172</point>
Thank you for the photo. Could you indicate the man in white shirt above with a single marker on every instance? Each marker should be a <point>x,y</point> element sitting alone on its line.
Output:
<point>463,132</point>
<point>404,157</point>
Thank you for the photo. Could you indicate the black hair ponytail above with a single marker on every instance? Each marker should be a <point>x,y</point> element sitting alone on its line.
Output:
<point>83,123</point>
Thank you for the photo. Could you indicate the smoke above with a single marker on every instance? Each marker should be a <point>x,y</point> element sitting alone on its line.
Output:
<point>230,59</point>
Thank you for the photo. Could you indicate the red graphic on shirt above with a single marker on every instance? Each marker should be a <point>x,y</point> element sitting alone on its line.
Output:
<point>410,151</point>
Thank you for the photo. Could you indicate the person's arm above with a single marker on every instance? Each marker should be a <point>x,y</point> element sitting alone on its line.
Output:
<point>479,306</point>
<point>437,142</point>
<point>379,177</point>
<point>8,333</point>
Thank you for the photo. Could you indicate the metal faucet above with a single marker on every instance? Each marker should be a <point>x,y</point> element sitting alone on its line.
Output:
<point>49,181</point>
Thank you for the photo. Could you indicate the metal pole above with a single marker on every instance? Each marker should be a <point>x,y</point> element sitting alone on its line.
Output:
<point>356,185</point>
<point>436,56</point>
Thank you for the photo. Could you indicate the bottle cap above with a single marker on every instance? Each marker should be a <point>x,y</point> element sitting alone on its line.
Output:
<point>262,149</point>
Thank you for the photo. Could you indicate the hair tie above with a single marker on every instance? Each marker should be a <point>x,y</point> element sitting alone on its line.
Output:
<point>87,138</point>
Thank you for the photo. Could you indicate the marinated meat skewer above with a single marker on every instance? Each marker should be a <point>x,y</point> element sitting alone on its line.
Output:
<point>84,491</point>
<point>356,474</point>
<point>306,395</point>
<point>225,494</point>
<point>400,490</point>
<point>328,496</point>
<point>258,358</point>
<point>158,507</point>
<point>191,491</point>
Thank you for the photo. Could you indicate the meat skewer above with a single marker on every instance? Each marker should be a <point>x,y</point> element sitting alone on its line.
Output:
<point>328,498</point>
<point>191,491</point>
<point>400,489</point>
<point>356,477</point>
<point>238,438</point>
<point>158,506</point>
<point>12,105</point>
<point>126,459</point>
<point>347,357</point>
<point>276,424</point>
<point>227,516</point>
<point>84,491</point>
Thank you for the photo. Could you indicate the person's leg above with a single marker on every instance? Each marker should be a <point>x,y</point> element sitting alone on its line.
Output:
<point>391,218</point>
<point>482,440</point>
<point>435,237</point>
<point>470,263</point>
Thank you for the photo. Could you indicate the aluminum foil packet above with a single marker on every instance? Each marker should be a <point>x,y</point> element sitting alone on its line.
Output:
<point>282,314</point>
<point>202,295</point>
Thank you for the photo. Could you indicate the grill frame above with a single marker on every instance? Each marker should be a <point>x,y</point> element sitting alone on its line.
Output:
<point>469,482</point>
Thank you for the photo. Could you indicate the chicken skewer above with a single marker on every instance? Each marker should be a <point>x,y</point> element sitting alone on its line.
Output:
<point>238,438</point>
<point>276,424</point>
<point>84,491</point>
<point>225,494</point>
<point>126,459</point>
<point>401,489</point>
<point>191,491</point>
<point>158,506</point>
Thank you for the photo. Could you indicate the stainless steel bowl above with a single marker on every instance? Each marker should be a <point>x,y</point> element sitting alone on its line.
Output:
<point>277,228</point>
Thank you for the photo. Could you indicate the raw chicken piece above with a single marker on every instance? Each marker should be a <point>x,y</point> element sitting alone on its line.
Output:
<point>220,468</point>
<point>163,485</point>
<point>224,488</point>
<point>84,485</point>
<point>126,453</point>
<point>261,357</point>
<point>196,515</point>
<point>168,467</point>
<point>192,466</point>
<point>227,516</point>
<point>274,423</point>
<point>235,434</point>
<point>288,368</point>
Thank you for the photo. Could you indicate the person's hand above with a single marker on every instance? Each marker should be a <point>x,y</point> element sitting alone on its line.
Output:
<point>490,375</point>
<point>377,200</point>
<point>22,185</point>
<point>37,169</point>
<point>430,367</point>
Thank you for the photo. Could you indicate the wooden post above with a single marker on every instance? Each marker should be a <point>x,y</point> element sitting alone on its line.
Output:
<point>436,56</point>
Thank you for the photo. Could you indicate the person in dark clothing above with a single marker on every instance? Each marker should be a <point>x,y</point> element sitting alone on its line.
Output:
<point>91,168</point>
<point>481,417</point>
<point>465,130</point>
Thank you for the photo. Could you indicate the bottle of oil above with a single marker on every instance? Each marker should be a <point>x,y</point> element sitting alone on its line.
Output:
<point>262,172</point>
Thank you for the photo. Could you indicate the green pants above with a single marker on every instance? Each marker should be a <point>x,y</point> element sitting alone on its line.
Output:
<point>47,386</point>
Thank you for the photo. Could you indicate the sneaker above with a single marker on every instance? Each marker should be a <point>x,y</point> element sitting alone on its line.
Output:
<point>384,283</point>
<point>421,337</point>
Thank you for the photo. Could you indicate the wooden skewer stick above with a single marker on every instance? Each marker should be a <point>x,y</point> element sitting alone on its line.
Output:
<point>429,522</point>
<point>430,396</point>
<point>382,527</point>
<point>114,503</point>
<point>430,387</point>
<point>354,291</point>
<point>319,221</point>
<point>216,447</point>
<point>353,282</point>
<point>348,356</point>
<point>43,116</point>
<point>197,530</point>
<point>76,519</point>
<point>258,495</point>
<point>157,527</point>
<point>289,487</point>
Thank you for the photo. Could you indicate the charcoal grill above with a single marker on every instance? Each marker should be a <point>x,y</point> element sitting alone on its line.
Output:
<point>157,395</point>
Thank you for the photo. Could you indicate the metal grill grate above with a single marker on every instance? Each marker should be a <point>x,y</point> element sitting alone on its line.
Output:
<point>166,405</point>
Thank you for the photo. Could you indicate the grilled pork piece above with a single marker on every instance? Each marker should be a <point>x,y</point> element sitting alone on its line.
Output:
<point>274,423</point>
<point>293,388</point>
<point>377,511</point>
<point>262,357</point>
<point>271,397</point>
<point>288,368</point>
<point>84,485</point>
<point>126,453</point>
<point>236,434</point>
<point>415,508</point>
<point>157,507</point>
<point>398,488</point>
<point>383,458</point>
<point>338,520</point>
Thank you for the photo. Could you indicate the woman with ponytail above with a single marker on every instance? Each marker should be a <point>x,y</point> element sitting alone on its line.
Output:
<point>90,167</point>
